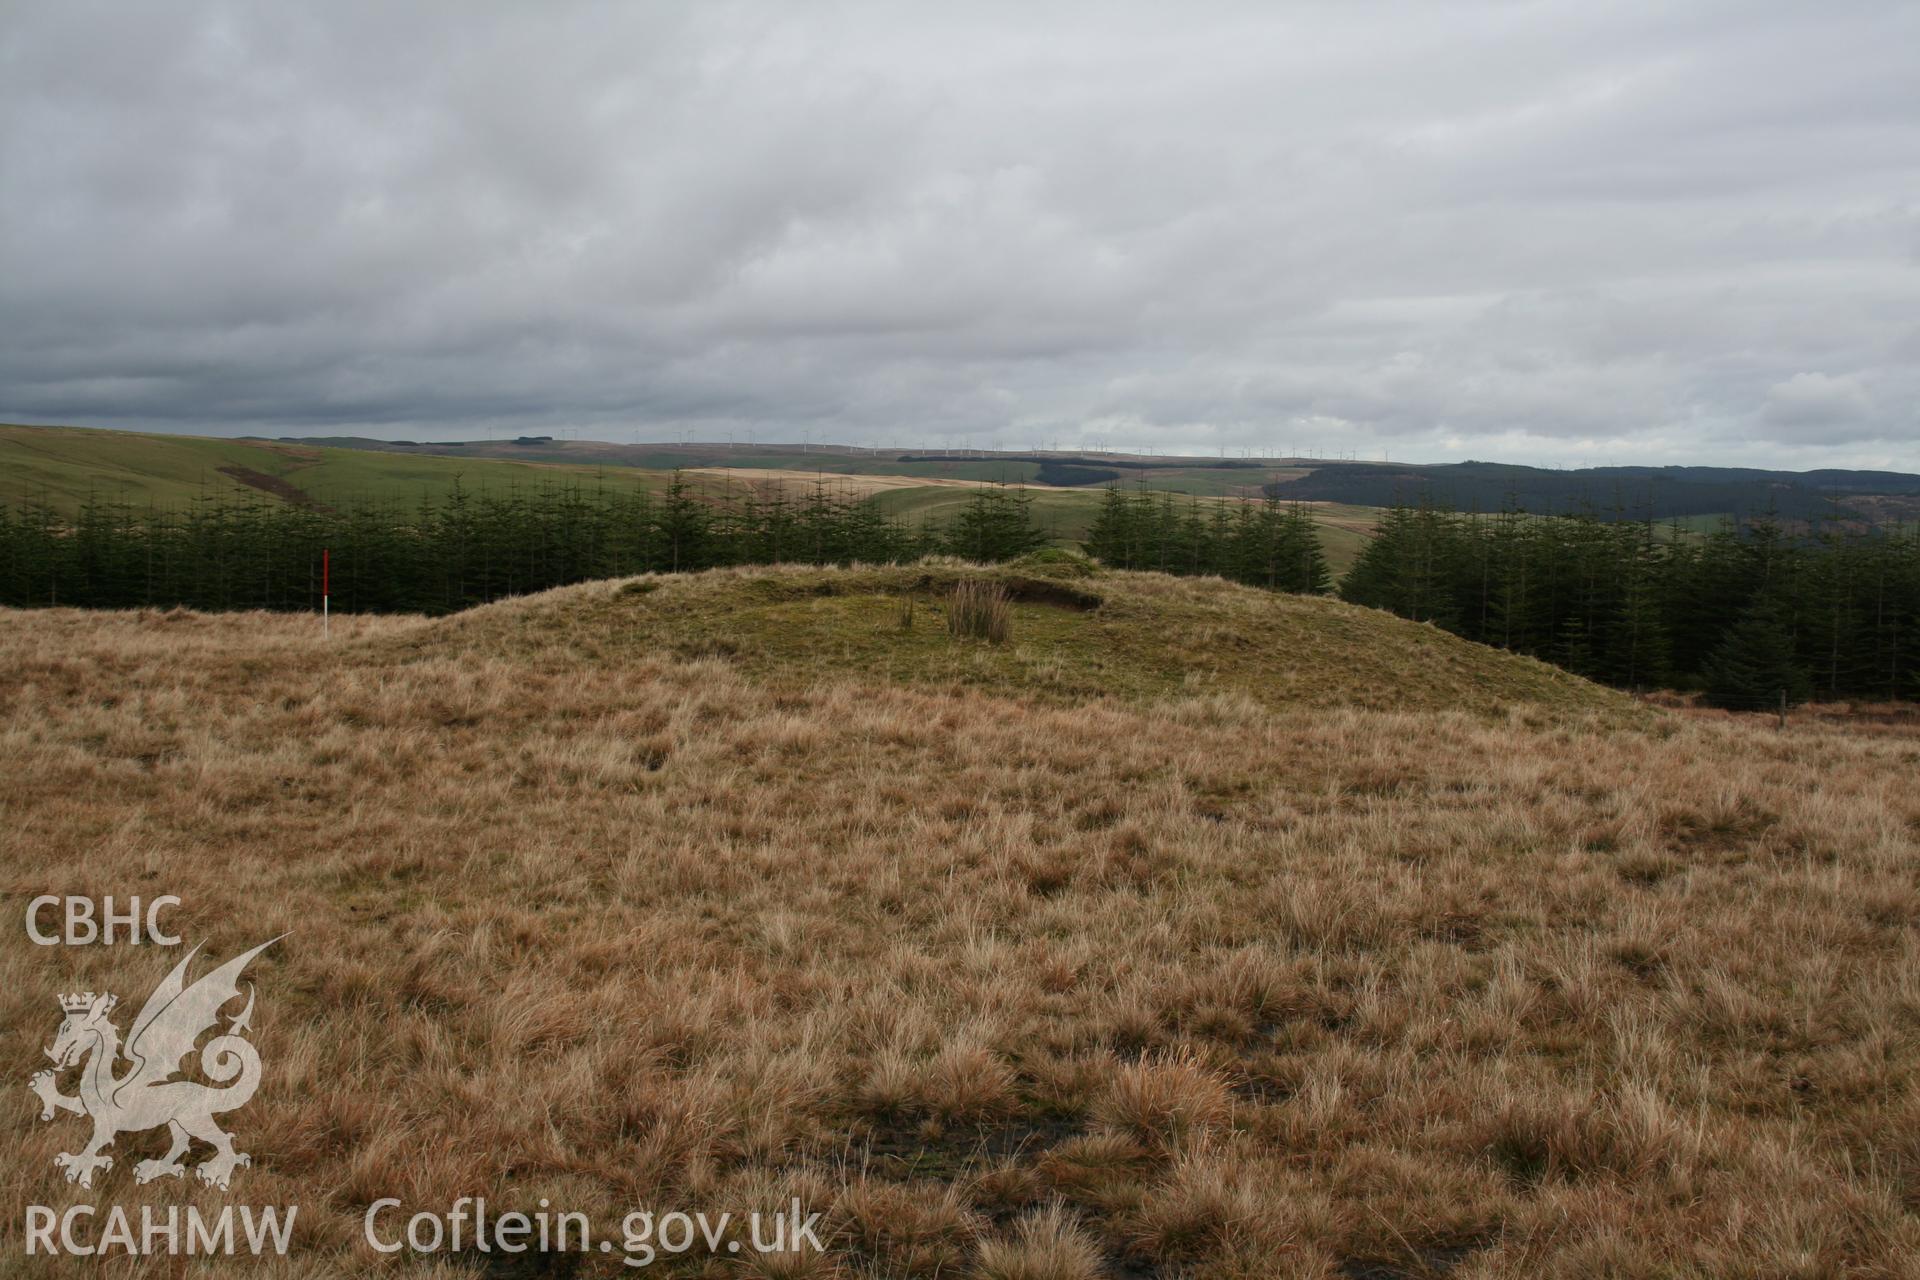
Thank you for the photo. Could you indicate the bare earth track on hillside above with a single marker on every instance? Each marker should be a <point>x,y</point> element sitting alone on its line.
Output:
<point>281,488</point>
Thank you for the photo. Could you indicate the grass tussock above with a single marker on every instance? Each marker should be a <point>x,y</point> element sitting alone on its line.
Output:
<point>978,609</point>
<point>1046,1244</point>
<point>1200,984</point>
<point>1165,1103</point>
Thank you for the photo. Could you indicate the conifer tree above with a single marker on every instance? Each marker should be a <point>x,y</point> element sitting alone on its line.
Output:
<point>1110,539</point>
<point>995,524</point>
<point>1755,666</point>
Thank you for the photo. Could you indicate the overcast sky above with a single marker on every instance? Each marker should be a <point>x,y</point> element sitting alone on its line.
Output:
<point>1565,231</point>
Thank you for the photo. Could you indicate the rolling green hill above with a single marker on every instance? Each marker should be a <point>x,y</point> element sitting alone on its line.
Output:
<point>66,466</point>
<point>1207,477</point>
<point>1700,495</point>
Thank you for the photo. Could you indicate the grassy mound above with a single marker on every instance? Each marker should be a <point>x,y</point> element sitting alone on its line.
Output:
<point>999,986</point>
<point>1076,633</point>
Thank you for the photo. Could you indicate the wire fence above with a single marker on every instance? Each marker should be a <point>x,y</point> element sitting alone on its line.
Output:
<point>1784,710</point>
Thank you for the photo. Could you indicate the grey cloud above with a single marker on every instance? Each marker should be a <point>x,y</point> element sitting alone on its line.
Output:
<point>1830,407</point>
<point>1555,231</point>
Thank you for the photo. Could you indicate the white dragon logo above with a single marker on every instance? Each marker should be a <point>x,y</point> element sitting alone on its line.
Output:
<point>146,1095</point>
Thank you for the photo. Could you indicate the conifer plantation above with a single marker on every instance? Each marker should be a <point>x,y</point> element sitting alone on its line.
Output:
<point>1261,544</point>
<point>1749,612</point>
<point>472,548</point>
<point>1752,614</point>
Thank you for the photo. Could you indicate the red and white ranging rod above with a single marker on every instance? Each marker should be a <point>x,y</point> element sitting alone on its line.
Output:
<point>326,595</point>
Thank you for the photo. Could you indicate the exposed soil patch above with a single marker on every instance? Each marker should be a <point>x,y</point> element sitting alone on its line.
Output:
<point>285,490</point>
<point>1433,1260</point>
<point>903,1149</point>
<point>533,1265</point>
<point>1061,595</point>
<point>1020,588</point>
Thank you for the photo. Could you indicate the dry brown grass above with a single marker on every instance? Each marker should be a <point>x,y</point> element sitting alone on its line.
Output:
<point>1189,987</point>
<point>858,484</point>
